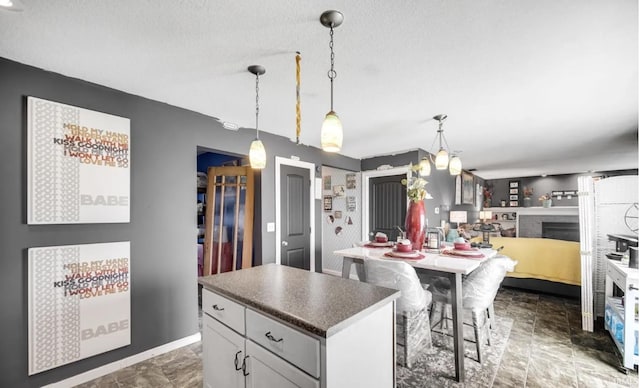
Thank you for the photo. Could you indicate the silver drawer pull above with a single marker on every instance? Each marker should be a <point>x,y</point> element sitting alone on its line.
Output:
<point>236,362</point>
<point>244,366</point>
<point>215,307</point>
<point>272,338</point>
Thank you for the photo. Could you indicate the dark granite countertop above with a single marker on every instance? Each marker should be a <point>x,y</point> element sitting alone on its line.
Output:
<point>318,303</point>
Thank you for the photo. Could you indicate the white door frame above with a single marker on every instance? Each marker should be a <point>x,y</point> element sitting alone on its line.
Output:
<point>312,218</point>
<point>366,176</point>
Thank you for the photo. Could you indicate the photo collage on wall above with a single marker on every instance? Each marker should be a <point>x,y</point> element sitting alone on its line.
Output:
<point>339,200</point>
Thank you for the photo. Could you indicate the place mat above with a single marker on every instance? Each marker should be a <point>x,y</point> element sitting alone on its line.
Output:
<point>405,255</point>
<point>468,254</point>
<point>374,244</point>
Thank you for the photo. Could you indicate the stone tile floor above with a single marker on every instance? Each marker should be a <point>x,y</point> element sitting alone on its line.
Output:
<point>546,348</point>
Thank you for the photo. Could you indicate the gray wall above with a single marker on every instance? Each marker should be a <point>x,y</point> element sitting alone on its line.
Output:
<point>441,185</point>
<point>164,140</point>
<point>542,185</point>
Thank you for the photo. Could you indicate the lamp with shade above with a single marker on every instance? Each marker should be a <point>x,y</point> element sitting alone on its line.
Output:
<point>458,216</point>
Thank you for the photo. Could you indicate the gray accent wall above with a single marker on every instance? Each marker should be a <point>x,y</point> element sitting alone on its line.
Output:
<point>543,185</point>
<point>162,231</point>
<point>441,185</point>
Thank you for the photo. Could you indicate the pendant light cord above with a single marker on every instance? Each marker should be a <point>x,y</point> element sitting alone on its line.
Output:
<point>257,107</point>
<point>332,73</point>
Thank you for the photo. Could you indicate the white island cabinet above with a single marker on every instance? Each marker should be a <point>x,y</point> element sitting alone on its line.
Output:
<point>276,326</point>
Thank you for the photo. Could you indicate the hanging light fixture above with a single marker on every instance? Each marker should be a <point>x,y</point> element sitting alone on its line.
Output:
<point>331,132</point>
<point>455,165</point>
<point>425,167</point>
<point>257,154</point>
<point>442,160</point>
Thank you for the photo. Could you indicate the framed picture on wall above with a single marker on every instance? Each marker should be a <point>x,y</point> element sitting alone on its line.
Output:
<point>467,188</point>
<point>513,191</point>
<point>351,203</point>
<point>339,191</point>
<point>326,182</point>
<point>513,203</point>
<point>351,181</point>
<point>327,202</point>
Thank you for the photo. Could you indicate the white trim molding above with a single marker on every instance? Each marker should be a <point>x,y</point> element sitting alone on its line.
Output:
<point>125,362</point>
<point>312,214</point>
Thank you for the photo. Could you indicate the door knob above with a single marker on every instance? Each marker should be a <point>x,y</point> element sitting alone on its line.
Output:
<point>284,243</point>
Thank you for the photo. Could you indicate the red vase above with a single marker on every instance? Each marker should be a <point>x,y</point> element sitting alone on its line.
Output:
<point>415,224</point>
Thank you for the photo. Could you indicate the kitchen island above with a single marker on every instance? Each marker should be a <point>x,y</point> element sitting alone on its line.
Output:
<point>275,325</point>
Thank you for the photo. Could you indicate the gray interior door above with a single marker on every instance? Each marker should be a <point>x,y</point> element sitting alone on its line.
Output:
<point>294,217</point>
<point>387,205</point>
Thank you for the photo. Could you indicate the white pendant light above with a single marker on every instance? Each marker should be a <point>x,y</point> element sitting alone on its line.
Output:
<point>442,159</point>
<point>425,167</point>
<point>455,165</point>
<point>331,132</point>
<point>257,153</point>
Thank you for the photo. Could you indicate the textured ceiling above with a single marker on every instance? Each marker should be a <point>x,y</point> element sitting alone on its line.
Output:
<point>530,87</point>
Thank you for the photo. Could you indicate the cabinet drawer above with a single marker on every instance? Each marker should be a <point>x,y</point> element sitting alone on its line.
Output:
<point>297,348</point>
<point>616,276</point>
<point>224,310</point>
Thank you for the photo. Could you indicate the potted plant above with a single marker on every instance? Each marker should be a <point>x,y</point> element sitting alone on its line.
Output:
<point>527,192</point>
<point>546,200</point>
<point>415,221</point>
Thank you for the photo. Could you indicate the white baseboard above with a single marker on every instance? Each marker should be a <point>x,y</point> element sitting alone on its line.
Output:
<point>125,362</point>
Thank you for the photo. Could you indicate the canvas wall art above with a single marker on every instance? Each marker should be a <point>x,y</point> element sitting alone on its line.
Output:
<point>79,302</point>
<point>78,164</point>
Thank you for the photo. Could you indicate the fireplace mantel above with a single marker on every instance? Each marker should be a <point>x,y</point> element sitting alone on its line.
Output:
<point>537,210</point>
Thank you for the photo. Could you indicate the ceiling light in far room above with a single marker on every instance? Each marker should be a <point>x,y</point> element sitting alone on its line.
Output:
<point>257,154</point>
<point>11,5</point>
<point>544,175</point>
<point>331,132</point>
<point>442,160</point>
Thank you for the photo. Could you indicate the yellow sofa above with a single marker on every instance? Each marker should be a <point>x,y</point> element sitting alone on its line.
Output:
<point>542,258</point>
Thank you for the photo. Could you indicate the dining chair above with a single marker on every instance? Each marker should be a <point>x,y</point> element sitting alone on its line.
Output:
<point>412,317</point>
<point>479,290</point>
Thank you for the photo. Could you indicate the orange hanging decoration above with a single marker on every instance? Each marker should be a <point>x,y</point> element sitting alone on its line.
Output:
<point>298,115</point>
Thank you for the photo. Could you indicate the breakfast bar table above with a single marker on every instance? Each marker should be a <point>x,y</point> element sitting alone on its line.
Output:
<point>433,264</point>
